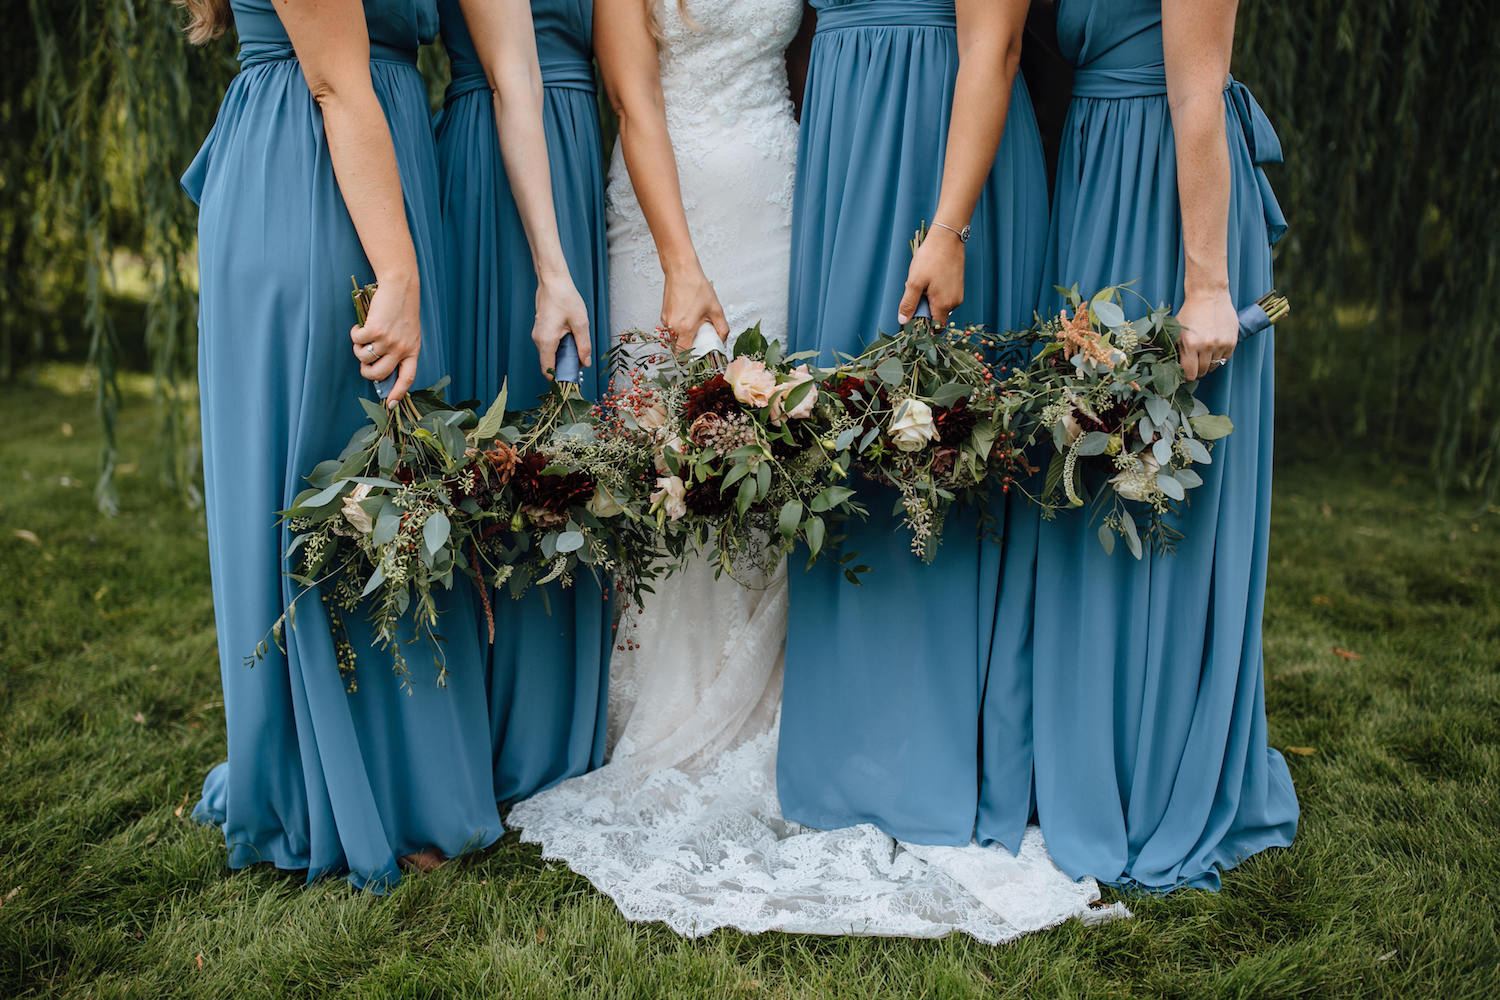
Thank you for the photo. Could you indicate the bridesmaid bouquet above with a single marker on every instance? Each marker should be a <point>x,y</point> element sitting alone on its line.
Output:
<point>750,455</point>
<point>925,413</point>
<point>1125,427</point>
<point>427,490</point>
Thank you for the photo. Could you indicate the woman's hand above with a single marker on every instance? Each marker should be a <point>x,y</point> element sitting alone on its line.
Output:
<point>1210,332</point>
<point>937,272</point>
<point>688,301</point>
<point>560,312</point>
<point>391,338</point>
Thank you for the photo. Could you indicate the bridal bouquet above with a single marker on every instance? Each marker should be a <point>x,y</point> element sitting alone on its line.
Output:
<point>926,413</point>
<point>750,455</point>
<point>1125,427</point>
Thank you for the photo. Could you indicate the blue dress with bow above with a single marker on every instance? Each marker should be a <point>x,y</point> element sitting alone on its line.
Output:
<point>1152,763</point>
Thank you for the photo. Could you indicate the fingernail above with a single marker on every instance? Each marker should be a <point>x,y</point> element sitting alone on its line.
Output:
<point>902,318</point>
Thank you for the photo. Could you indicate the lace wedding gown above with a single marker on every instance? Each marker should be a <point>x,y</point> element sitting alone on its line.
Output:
<point>682,824</point>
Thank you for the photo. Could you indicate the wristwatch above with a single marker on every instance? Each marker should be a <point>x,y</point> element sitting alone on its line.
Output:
<point>962,234</point>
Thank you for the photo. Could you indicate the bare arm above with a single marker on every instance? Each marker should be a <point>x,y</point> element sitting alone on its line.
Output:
<point>989,53</point>
<point>632,78</point>
<point>333,48</point>
<point>1198,37</point>
<point>506,44</point>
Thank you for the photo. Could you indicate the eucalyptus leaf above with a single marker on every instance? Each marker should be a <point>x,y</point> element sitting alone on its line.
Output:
<point>387,525</point>
<point>1108,313</point>
<point>1197,451</point>
<point>890,371</point>
<point>435,531</point>
<point>950,393</point>
<point>1132,537</point>
<point>1169,485</point>
<point>1093,443</point>
<point>494,417</point>
<point>1212,426</point>
<point>1107,539</point>
<point>376,579</point>
<point>1158,408</point>
<point>1188,478</point>
<point>1162,451</point>
<point>570,541</point>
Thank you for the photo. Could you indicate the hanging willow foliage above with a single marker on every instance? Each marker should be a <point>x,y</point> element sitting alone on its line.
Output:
<point>113,107</point>
<point>1382,107</point>
<point>1393,191</point>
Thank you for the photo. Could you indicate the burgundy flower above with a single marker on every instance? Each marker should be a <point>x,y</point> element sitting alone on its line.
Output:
<point>554,493</point>
<point>713,396</point>
<point>708,499</point>
<point>954,423</point>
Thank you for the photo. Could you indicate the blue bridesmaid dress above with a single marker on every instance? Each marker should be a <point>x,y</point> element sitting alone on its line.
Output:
<point>317,778</point>
<point>884,682</point>
<point>1152,766</point>
<point>548,667</point>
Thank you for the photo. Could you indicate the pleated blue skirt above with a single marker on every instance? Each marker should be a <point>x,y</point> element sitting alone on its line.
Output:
<point>548,668</point>
<point>1152,764</point>
<point>885,682</point>
<point>317,778</point>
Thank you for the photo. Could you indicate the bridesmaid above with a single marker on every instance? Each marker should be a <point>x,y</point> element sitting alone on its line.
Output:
<point>512,264</point>
<point>884,682</point>
<point>321,164</point>
<point>1152,767</point>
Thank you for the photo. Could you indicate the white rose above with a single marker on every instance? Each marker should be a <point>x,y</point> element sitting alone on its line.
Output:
<point>670,496</point>
<point>354,513</point>
<point>913,429</point>
<point>803,409</point>
<point>752,383</point>
<point>603,503</point>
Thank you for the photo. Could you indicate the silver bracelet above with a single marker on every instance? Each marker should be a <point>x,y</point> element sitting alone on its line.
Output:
<point>962,234</point>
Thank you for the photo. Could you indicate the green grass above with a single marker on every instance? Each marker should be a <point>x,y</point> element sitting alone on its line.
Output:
<point>110,713</point>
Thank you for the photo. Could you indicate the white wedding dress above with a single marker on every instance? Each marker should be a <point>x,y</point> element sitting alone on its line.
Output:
<point>682,825</point>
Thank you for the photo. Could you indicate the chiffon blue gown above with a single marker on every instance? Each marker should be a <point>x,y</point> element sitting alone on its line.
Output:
<point>1152,766</point>
<point>885,682</point>
<point>318,778</point>
<point>547,669</point>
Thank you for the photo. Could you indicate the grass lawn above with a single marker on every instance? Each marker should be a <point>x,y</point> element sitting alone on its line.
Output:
<point>1383,674</point>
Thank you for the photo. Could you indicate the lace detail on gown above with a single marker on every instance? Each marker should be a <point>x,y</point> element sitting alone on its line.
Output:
<point>682,824</point>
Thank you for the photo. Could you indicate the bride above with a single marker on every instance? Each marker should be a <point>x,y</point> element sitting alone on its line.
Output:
<point>682,825</point>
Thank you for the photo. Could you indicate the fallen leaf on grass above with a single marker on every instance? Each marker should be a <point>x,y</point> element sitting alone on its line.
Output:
<point>67,430</point>
<point>181,806</point>
<point>1387,956</point>
<point>1322,599</point>
<point>99,594</point>
<point>199,960</point>
<point>139,717</point>
<point>9,896</point>
<point>1347,654</point>
<point>1327,511</point>
<point>541,934</point>
<point>1301,751</point>
<point>27,536</point>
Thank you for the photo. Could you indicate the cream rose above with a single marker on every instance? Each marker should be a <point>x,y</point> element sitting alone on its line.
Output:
<point>913,429</point>
<point>803,409</point>
<point>354,513</point>
<point>653,417</point>
<point>603,503</point>
<point>1138,482</point>
<point>670,496</point>
<point>751,382</point>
